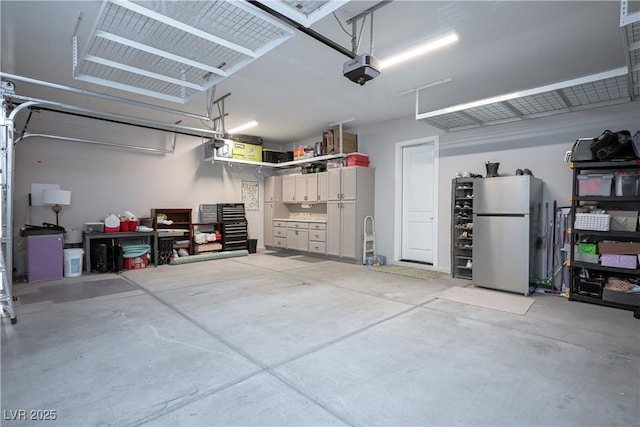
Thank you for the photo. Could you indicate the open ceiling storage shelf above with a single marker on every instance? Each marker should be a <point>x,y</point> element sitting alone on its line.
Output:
<point>593,91</point>
<point>174,50</point>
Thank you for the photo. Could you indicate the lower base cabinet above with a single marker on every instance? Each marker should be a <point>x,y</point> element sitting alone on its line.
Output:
<point>317,238</point>
<point>342,229</point>
<point>298,236</point>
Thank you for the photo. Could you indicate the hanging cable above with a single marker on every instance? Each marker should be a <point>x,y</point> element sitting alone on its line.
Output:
<point>341,26</point>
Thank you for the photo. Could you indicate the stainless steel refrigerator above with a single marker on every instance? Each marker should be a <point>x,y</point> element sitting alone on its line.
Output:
<point>507,232</point>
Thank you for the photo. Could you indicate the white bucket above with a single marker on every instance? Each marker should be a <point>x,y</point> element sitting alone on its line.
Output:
<point>73,262</point>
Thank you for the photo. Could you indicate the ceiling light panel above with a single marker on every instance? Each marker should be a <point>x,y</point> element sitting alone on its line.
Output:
<point>174,50</point>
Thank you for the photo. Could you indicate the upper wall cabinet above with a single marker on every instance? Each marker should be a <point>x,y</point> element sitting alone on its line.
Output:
<point>300,188</point>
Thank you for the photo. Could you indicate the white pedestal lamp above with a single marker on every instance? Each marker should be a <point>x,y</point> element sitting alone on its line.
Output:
<point>56,198</point>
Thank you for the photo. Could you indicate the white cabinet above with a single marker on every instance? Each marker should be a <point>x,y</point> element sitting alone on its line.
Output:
<point>317,238</point>
<point>273,189</point>
<point>298,236</point>
<point>280,234</point>
<point>323,187</point>
<point>306,188</point>
<point>289,189</point>
<point>272,205</point>
<point>268,224</point>
<point>351,199</point>
<point>343,183</point>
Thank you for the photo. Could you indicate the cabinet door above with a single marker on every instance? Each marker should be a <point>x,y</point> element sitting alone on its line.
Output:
<point>323,186</point>
<point>312,187</point>
<point>303,240</point>
<point>269,186</point>
<point>348,236</point>
<point>292,238</point>
<point>334,184</point>
<point>277,189</point>
<point>333,228</point>
<point>268,224</point>
<point>349,180</point>
<point>301,188</point>
<point>289,189</point>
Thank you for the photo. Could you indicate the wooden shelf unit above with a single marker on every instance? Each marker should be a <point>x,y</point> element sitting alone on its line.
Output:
<point>198,248</point>
<point>181,218</point>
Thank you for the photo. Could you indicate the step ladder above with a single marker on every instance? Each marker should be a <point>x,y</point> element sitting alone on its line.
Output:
<point>369,243</point>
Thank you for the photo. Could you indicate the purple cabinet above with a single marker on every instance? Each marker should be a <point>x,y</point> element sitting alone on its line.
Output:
<point>45,257</point>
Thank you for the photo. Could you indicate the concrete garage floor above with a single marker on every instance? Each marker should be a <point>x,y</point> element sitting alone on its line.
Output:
<point>267,340</point>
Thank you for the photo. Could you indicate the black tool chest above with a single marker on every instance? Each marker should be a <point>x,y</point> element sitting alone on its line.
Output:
<point>234,226</point>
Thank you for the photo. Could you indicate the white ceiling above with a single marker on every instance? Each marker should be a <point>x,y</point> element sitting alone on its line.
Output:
<point>296,90</point>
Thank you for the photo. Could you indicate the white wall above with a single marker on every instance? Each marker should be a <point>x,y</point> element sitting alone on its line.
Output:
<point>105,180</point>
<point>110,180</point>
<point>538,144</point>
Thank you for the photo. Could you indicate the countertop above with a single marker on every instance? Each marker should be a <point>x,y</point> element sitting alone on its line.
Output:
<point>323,220</point>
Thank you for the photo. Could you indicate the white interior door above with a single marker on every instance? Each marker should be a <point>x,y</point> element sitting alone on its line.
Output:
<point>418,202</point>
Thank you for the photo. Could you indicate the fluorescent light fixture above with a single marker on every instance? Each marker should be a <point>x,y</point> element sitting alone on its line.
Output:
<point>245,126</point>
<point>421,49</point>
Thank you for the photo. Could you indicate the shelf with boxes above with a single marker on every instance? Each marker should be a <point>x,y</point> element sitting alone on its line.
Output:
<point>234,152</point>
<point>605,236</point>
<point>205,237</point>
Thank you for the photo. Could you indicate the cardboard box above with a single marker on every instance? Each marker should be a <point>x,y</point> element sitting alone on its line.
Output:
<point>627,248</point>
<point>619,261</point>
<point>244,151</point>
<point>331,142</point>
<point>136,263</point>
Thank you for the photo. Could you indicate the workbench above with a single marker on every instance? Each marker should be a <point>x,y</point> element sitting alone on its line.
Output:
<point>116,239</point>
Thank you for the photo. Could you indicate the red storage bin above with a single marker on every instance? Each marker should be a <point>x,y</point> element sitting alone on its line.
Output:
<point>357,159</point>
<point>136,263</point>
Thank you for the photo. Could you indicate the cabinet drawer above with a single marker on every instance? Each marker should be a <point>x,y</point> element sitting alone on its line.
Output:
<point>317,226</point>
<point>279,223</point>
<point>299,225</point>
<point>317,236</point>
<point>279,232</point>
<point>317,247</point>
<point>280,242</point>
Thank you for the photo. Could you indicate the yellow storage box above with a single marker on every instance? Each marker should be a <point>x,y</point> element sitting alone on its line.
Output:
<point>244,151</point>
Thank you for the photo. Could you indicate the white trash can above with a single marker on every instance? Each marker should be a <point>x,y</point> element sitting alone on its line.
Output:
<point>73,262</point>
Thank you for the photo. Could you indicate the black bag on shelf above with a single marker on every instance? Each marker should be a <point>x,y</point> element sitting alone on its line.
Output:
<point>613,146</point>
